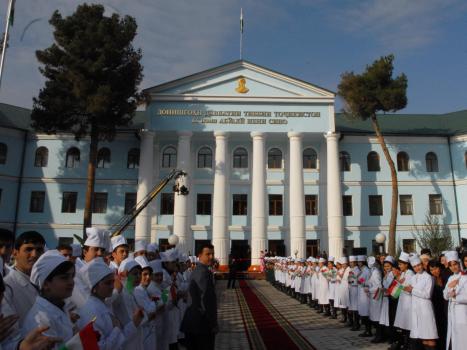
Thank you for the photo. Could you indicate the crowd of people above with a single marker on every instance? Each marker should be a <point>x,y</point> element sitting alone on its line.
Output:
<point>143,299</point>
<point>412,302</point>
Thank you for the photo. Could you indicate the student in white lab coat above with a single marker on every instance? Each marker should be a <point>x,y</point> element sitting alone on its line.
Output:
<point>20,293</point>
<point>53,275</point>
<point>403,319</point>
<point>456,293</point>
<point>389,304</point>
<point>343,288</point>
<point>158,292</point>
<point>332,279</point>
<point>363,297</point>
<point>376,296</point>
<point>423,317</point>
<point>354,319</point>
<point>120,251</point>
<point>114,335</point>
<point>323,287</point>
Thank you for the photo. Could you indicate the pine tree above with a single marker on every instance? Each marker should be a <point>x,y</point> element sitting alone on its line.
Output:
<point>92,75</point>
<point>366,94</point>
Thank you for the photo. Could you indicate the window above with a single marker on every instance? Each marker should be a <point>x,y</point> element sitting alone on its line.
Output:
<point>240,204</point>
<point>36,204</point>
<point>167,204</point>
<point>203,204</point>
<point>436,204</point>
<point>99,205</point>
<point>133,159</point>
<point>431,162</point>
<point>310,159</point>
<point>3,152</point>
<point>205,158</point>
<point>69,202</point>
<point>275,204</point>
<point>72,158</point>
<point>311,204</point>
<point>406,204</point>
<point>240,158</point>
<point>130,202</point>
<point>344,160</point>
<point>103,158</point>
<point>169,157</point>
<point>402,161</point>
<point>373,161</point>
<point>408,245</point>
<point>275,158</point>
<point>376,205</point>
<point>42,157</point>
<point>347,206</point>
<point>348,247</point>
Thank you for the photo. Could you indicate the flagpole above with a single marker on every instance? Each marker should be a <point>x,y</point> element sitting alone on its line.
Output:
<point>5,38</point>
<point>241,33</point>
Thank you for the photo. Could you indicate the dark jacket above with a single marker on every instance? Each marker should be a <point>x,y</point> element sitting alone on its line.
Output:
<point>201,315</point>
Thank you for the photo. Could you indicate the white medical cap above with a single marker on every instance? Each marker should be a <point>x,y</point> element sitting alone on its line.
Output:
<point>45,265</point>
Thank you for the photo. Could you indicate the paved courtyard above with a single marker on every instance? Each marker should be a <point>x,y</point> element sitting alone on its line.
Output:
<point>323,333</point>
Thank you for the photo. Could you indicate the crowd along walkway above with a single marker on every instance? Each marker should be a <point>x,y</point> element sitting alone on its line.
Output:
<point>257,316</point>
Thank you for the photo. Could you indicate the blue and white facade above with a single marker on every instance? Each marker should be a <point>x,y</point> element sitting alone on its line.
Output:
<point>269,164</point>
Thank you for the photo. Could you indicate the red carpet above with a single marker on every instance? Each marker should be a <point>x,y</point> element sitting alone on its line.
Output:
<point>266,327</point>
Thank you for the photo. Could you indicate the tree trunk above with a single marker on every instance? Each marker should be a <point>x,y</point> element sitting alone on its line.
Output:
<point>87,219</point>
<point>395,190</point>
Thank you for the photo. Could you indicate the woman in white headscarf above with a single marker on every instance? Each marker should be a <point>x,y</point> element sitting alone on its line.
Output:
<point>114,335</point>
<point>389,305</point>
<point>363,297</point>
<point>53,275</point>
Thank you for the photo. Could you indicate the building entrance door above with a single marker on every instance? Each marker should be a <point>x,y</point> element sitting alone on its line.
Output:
<point>240,249</point>
<point>312,247</point>
<point>276,247</point>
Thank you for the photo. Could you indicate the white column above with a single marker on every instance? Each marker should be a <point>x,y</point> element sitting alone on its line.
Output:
<point>258,191</point>
<point>145,183</point>
<point>220,234</point>
<point>334,197</point>
<point>153,206</point>
<point>297,197</point>
<point>182,227</point>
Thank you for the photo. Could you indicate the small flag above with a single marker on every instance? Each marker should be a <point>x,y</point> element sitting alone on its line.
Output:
<point>86,339</point>
<point>130,284</point>
<point>12,12</point>
<point>395,289</point>
<point>241,20</point>
<point>378,294</point>
<point>165,296</point>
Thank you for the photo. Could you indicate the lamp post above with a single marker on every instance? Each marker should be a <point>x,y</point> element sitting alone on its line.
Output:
<point>380,239</point>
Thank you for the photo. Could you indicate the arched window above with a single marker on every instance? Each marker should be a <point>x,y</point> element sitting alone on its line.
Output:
<point>310,159</point>
<point>274,158</point>
<point>133,159</point>
<point>42,157</point>
<point>103,158</point>
<point>3,153</point>
<point>205,158</point>
<point>72,158</point>
<point>344,160</point>
<point>402,161</point>
<point>431,162</point>
<point>240,158</point>
<point>373,161</point>
<point>169,157</point>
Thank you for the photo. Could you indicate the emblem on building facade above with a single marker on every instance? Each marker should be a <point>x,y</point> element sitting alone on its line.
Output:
<point>241,88</point>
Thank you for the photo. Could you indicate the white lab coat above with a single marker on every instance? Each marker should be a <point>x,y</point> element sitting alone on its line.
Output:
<point>12,341</point>
<point>423,316</point>
<point>323,286</point>
<point>384,318</point>
<point>353,288</point>
<point>44,313</point>
<point>315,282</point>
<point>144,301</point>
<point>457,313</point>
<point>21,295</point>
<point>124,312</point>
<point>343,289</point>
<point>374,286</point>
<point>161,320</point>
<point>307,282</point>
<point>363,298</point>
<point>332,279</point>
<point>111,338</point>
<point>404,306</point>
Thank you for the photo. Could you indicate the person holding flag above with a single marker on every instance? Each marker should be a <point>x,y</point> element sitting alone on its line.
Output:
<point>389,304</point>
<point>375,295</point>
<point>113,334</point>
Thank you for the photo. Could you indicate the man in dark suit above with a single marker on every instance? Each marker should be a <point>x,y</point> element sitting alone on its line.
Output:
<point>200,321</point>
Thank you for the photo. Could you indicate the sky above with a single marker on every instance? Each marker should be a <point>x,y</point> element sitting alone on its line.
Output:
<point>313,40</point>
